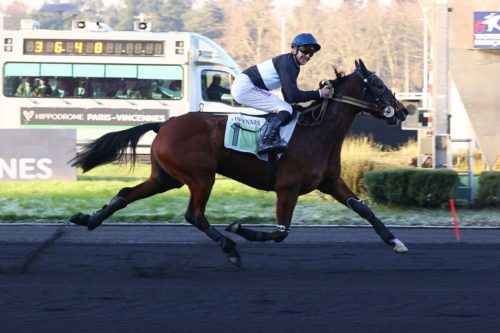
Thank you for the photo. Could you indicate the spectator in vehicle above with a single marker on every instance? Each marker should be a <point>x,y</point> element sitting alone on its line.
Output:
<point>43,89</point>
<point>215,90</point>
<point>84,89</point>
<point>98,87</point>
<point>26,88</point>
<point>62,89</point>
<point>129,90</point>
<point>174,90</point>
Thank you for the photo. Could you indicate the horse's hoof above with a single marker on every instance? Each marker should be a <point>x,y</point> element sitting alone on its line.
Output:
<point>233,227</point>
<point>229,248</point>
<point>91,227</point>
<point>79,219</point>
<point>398,246</point>
<point>85,220</point>
<point>234,257</point>
<point>93,223</point>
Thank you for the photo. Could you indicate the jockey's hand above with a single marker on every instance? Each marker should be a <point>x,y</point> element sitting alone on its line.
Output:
<point>326,92</point>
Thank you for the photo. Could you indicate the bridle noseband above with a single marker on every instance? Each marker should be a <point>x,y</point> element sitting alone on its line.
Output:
<point>383,99</point>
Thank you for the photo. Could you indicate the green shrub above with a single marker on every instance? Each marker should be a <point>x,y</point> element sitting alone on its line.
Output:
<point>375,181</point>
<point>396,186</point>
<point>489,189</point>
<point>411,187</point>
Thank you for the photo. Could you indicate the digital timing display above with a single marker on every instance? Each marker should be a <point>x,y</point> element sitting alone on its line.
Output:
<point>87,47</point>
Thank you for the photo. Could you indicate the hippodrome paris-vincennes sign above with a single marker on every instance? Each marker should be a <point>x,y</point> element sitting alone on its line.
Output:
<point>37,154</point>
<point>40,116</point>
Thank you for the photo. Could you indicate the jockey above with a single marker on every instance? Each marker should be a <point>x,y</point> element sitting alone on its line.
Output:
<point>252,86</point>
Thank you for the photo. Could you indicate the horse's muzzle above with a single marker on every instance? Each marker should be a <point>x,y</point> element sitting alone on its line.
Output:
<point>404,113</point>
<point>394,121</point>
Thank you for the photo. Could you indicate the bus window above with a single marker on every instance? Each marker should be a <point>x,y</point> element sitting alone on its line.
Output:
<point>89,70</point>
<point>56,70</point>
<point>121,71</point>
<point>216,87</point>
<point>167,89</point>
<point>93,81</point>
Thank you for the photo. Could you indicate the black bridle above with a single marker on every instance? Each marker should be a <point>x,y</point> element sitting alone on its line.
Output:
<point>386,105</point>
<point>381,102</point>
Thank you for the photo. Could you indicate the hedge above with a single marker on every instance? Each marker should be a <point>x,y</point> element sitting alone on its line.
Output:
<point>411,187</point>
<point>488,193</point>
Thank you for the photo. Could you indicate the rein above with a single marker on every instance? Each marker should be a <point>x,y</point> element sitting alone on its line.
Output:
<point>318,116</point>
<point>351,100</point>
<point>356,102</point>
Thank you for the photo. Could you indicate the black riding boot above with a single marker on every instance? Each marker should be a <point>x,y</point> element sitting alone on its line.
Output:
<point>270,139</point>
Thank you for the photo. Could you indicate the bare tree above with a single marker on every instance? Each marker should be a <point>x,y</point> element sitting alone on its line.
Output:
<point>251,30</point>
<point>388,39</point>
<point>15,12</point>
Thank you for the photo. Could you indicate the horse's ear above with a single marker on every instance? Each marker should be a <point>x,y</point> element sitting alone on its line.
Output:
<point>362,65</point>
<point>356,64</point>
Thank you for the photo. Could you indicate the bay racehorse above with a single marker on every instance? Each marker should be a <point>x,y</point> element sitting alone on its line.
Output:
<point>189,150</point>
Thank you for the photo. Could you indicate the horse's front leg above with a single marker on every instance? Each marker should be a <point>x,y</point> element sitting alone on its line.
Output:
<point>343,194</point>
<point>285,205</point>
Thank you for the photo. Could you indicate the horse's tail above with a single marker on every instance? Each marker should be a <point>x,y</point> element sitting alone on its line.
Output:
<point>112,147</point>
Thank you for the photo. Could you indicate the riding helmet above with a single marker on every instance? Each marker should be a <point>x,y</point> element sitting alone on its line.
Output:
<point>306,39</point>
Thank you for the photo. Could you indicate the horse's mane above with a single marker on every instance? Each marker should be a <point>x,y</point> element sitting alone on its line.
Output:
<point>308,118</point>
<point>340,76</point>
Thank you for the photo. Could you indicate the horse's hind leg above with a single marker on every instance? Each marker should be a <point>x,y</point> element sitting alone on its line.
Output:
<point>343,194</point>
<point>158,182</point>
<point>287,199</point>
<point>200,192</point>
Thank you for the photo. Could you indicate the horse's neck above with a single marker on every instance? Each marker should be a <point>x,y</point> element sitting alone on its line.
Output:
<point>335,127</point>
<point>338,120</point>
<point>341,115</point>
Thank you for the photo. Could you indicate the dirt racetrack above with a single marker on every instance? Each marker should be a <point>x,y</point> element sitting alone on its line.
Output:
<point>172,279</point>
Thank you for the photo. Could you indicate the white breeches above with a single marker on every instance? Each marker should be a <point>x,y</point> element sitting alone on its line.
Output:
<point>246,93</point>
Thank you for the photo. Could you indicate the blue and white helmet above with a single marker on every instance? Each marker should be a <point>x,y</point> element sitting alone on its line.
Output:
<point>306,39</point>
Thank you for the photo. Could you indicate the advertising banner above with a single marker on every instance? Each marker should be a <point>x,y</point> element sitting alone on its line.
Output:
<point>487,30</point>
<point>37,154</point>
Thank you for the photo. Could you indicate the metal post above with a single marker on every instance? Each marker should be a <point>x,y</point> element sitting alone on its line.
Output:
<point>440,98</point>
<point>470,172</point>
<point>425,87</point>
<point>424,8</point>
<point>470,167</point>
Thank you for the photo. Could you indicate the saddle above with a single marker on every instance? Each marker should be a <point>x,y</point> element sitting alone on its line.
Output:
<point>243,132</point>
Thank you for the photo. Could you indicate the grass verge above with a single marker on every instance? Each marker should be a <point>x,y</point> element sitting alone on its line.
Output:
<point>56,201</point>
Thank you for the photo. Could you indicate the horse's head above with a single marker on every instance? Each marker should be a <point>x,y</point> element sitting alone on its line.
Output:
<point>385,104</point>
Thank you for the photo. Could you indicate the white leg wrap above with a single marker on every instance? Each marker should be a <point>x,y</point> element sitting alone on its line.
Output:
<point>398,246</point>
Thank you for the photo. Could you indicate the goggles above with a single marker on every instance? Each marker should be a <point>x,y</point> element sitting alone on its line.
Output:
<point>307,50</point>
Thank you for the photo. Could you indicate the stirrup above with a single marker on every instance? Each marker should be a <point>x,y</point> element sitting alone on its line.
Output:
<point>277,147</point>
